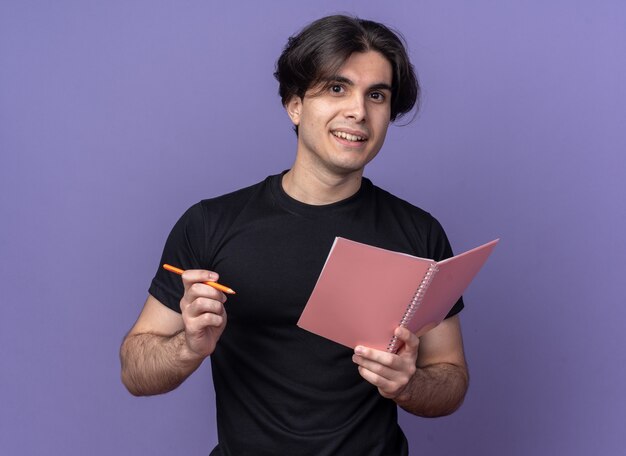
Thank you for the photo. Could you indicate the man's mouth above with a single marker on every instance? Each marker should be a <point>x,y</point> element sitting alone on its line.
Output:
<point>348,136</point>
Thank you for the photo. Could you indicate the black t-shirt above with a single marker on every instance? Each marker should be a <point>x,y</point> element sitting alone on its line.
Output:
<point>280,389</point>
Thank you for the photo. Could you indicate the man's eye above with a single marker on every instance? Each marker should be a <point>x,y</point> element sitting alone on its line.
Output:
<point>336,88</point>
<point>378,96</point>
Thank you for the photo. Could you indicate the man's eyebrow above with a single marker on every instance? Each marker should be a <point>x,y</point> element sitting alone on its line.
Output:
<point>344,80</point>
<point>381,86</point>
<point>340,79</point>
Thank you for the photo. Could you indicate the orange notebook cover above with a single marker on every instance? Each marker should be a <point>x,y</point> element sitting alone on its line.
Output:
<point>364,293</point>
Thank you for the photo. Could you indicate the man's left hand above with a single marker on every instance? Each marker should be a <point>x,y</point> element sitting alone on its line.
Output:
<point>389,372</point>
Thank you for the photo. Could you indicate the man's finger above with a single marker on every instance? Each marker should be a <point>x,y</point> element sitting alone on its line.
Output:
<point>410,341</point>
<point>192,276</point>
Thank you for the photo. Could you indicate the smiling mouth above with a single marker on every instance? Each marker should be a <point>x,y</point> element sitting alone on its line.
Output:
<point>348,136</point>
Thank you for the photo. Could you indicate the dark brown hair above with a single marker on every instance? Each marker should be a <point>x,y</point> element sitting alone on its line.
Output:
<point>320,49</point>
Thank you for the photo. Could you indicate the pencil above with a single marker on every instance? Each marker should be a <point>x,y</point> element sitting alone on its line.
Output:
<point>215,285</point>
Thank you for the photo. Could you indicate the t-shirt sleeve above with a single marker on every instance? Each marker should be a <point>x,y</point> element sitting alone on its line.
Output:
<point>185,249</point>
<point>440,249</point>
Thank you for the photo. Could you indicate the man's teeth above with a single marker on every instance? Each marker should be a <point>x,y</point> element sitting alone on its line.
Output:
<point>349,137</point>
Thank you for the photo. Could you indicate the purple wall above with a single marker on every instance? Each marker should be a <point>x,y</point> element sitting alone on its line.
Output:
<point>116,116</point>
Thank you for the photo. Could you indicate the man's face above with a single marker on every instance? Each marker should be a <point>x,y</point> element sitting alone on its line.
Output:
<point>342,124</point>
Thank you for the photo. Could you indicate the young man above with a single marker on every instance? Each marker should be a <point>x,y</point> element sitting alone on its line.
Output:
<point>280,389</point>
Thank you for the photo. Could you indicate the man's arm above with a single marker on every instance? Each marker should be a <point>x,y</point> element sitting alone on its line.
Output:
<point>163,348</point>
<point>427,377</point>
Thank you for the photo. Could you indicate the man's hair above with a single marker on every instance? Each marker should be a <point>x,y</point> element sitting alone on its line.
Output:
<point>316,53</point>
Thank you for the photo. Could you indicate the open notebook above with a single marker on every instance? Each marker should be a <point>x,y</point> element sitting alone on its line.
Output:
<point>363,293</point>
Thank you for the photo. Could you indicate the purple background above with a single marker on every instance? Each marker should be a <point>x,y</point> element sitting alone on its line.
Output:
<point>116,116</point>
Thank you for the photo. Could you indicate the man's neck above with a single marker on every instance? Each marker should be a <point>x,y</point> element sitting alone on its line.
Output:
<point>316,187</point>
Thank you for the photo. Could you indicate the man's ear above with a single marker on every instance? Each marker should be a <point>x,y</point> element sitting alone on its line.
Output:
<point>294,108</point>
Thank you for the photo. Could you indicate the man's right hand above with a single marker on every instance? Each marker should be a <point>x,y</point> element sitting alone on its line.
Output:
<point>203,312</point>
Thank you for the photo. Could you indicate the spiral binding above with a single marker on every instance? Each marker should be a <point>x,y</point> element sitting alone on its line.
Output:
<point>415,303</point>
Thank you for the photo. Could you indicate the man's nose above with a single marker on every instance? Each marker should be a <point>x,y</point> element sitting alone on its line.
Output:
<point>355,108</point>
